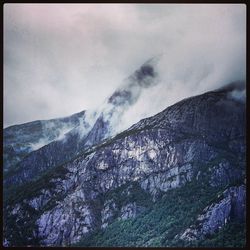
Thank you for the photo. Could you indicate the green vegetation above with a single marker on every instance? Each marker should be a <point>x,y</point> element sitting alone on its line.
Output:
<point>16,194</point>
<point>232,235</point>
<point>21,228</point>
<point>158,225</point>
<point>127,193</point>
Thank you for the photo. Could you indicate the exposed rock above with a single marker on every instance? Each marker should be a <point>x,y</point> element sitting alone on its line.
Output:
<point>108,212</point>
<point>183,143</point>
<point>85,134</point>
<point>224,173</point>
<point>231,206</point>
<point>130,210</point>
<point>20,140</point>
<point>63,226</point>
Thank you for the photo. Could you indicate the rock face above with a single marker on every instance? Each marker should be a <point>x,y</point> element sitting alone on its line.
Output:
<point>199,139</point>
<point>230,207</point>
<point>84,133</point>
<point>130,210</point>
<point>20,140</point>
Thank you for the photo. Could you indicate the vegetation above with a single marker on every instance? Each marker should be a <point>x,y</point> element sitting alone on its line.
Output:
<point>16,194</point>
<point>158,225</point>
<point>232,235</point>
<point>21,228</point>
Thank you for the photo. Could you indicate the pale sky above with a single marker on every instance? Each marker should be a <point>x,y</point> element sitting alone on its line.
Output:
<point>60,59</point>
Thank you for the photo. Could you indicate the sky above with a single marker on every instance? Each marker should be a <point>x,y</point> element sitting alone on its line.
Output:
<point>60,59</point>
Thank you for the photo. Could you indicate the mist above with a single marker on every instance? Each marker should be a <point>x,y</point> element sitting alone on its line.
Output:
<point>60,59</point>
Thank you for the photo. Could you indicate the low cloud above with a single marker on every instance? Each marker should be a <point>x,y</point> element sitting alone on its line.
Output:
<point>53,130</point>
<point>61,59</point>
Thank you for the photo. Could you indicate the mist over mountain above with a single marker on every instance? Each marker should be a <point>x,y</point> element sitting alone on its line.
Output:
<point>156,157</point>
<point>62,59</point>
<point>81,189</point>
<point>71,134</point>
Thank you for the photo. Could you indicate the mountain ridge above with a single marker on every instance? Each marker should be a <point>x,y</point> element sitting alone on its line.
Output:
<point>86,132</point>
<point>198,141</point>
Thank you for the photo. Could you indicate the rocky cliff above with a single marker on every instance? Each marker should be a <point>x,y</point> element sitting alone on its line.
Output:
<point>190,159</point>
<point>86,130</point>
<point>20,140</point>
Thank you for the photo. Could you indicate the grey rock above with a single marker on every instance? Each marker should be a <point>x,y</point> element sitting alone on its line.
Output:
<point>230,207</point>
<point>20,140</point>
<point>159,153</point>
<point>130,210</point>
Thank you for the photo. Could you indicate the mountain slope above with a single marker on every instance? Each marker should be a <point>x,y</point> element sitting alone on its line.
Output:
<point>163,223</point>
<point>20,140</point>
<point>192,151</point>
<point>87,133</point>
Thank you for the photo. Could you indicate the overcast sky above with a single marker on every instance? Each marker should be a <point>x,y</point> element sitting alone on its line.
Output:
<point>60,59</point>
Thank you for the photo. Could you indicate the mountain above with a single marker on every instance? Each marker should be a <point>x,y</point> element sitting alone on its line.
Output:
<point>174,179</point>
<point>20,140</point>
<point>94,126</point>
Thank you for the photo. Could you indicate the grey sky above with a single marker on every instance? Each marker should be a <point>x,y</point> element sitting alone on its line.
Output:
<point>63,58</point>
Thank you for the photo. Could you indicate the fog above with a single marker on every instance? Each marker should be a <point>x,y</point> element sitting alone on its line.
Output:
<point>60,59</point>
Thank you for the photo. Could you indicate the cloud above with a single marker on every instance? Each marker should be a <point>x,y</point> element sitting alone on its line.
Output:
<point>238,95</point>
<point>127,95</point>
<point>210,54</point>
<point>60,59</point>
